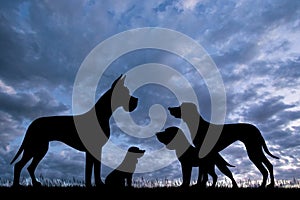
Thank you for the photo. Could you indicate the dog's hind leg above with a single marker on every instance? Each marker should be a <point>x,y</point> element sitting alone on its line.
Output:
<point>19,166</point>
<point>227,172</point>
<point>256,159</point>
<point>35,161</point>
<point>202,177</point>
<point>270,169</point>
<point>214,176</point>
<point>97,172</point>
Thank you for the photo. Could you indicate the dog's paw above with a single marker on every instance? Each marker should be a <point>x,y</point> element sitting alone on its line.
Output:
<point>16,185</point>
<point>270,186</point>
<point>36,184</point>
<point>99,184</point>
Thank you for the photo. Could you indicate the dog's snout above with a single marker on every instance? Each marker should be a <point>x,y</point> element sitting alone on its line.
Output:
<point>133,102</point>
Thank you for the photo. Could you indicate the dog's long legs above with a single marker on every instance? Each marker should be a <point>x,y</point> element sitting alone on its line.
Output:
<point>202,177</point>
<point>186,175</point>
<point>88,169</point>
<point>227,172</point>
<point>97,171</point>
<point>270,168</point>
<point>90,163</point>
<point>35,161</point>
<point>214,176</point>
<point>19,166</point>
<point>263,171</point>
<point>257,162</point>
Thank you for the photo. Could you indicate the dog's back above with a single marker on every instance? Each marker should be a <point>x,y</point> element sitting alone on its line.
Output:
<point>122,175</point>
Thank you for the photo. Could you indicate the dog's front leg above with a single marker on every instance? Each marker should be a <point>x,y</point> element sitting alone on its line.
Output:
<point>202,178</point>
<point>186,175</point>
<point>97,171</point>
<point>129,179</point>
<point>88,169</point>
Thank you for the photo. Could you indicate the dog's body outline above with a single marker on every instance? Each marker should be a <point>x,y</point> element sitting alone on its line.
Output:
<point>251,138</point>
<point>188,158</point>
<point>122,175</point>
<point>63,129</point>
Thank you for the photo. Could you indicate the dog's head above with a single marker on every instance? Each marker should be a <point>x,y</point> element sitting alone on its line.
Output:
<point>173,137</point>
<point>136,152</point>
<point>184,111</point>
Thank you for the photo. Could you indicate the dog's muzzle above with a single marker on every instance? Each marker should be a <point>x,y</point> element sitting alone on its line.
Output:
<point>133,101</point>
<point>175,111</point>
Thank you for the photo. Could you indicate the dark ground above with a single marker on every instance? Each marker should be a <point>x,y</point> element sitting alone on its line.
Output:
<point>141,193</point>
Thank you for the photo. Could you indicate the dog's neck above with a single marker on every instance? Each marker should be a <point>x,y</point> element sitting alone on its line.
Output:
<point>193,121</point>
<point>194,125</point>
<point>104,111</point>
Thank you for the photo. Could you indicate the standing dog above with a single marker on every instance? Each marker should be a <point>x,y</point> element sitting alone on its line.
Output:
<point>122,175</point>
<point>62,128</point>
<point>248,134</point>
<point>174,139</point>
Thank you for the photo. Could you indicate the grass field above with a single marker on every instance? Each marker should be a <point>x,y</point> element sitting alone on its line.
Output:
<point>142,182</point>
<point>151,187</point>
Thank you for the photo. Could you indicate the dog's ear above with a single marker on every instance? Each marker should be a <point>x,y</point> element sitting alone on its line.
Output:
<point>123,77</point>
<point>113,85</point>
<point>122,81</point>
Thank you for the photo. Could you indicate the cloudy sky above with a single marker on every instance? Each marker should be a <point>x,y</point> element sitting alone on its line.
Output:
<point>255,45</point>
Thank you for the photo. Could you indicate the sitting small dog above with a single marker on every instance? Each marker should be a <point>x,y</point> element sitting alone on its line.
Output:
<point>174,139</point>
<point>122,175</point>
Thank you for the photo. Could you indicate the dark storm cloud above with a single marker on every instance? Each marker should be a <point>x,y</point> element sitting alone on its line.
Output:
<point>263,110</point>
<point>289,141</point>
<point>288,74</point>
<point>31,105</point>
<point>38,46</point>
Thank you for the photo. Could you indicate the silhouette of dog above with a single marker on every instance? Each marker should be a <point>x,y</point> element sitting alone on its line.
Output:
<point>174,139</point>
<point>122,175</point>
<point>62,128</point>
<point>248,134</point>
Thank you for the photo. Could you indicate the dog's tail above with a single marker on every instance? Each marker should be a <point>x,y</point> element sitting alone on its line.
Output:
<point>18,153</point>
<point>21,149</point>
<point>264,145</point>
<point>228,164</point>
<point>225,162</point>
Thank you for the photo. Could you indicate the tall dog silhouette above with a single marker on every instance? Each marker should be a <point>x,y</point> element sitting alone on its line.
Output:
<point>62,128</point>
<point>174,139</point>
<point>248,134</point>
<point>122,175</point>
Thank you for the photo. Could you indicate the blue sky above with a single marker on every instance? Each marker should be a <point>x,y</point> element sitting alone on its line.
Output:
<point>254,44</point>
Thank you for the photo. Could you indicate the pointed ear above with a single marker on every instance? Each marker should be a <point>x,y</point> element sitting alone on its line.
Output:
<point>123,79</point>
<point>116,81</point>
